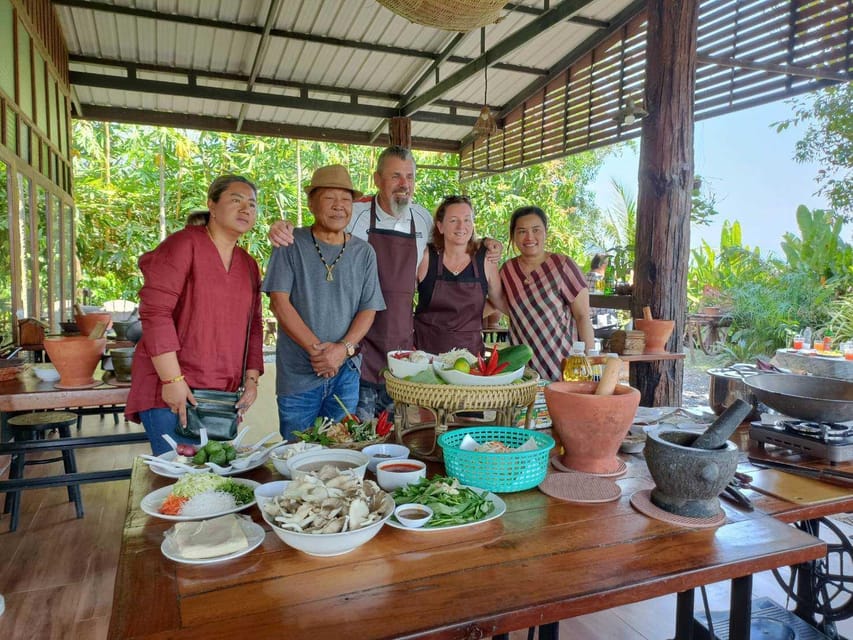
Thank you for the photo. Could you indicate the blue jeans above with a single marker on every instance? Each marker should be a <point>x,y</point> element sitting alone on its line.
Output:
<point>373,399</point>
<point>298,411</point>
<point>162,421</point>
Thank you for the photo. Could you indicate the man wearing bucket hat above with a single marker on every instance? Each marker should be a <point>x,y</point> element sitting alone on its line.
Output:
<point>324,291</point>
<point>398,229</point>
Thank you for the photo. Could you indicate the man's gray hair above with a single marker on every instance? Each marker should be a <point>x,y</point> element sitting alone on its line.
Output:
<point>394,151</point>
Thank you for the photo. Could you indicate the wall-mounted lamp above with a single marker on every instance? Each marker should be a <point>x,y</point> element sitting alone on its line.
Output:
<point>630,113</point>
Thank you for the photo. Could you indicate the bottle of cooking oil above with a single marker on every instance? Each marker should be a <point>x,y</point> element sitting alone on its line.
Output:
<point>577,367</point>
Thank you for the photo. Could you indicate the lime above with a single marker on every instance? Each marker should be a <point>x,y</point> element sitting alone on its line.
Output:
<point>462,365</point>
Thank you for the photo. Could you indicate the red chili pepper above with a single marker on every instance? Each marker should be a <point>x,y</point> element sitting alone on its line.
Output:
<point>481,364</point>
<point>501,367</point>
<point>383,425</point>
<point>493,363</point>
<point>475,372</point>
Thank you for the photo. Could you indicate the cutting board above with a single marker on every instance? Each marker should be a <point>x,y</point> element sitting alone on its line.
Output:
<point>797,489</point>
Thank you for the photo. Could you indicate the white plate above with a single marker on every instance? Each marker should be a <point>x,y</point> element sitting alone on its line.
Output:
<point>497,512</point>
<point>153,501</point>
<point>254,535</point>
<point>231,471</point>
<point>452,376</point>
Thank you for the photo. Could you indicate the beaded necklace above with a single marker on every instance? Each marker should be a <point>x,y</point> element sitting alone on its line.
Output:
<point>329,267</point>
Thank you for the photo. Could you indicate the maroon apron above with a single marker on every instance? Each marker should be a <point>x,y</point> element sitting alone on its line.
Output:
<point>454,317</point>
<point>397,262</point>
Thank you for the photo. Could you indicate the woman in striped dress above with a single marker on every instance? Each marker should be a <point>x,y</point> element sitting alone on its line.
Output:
<point>546,295</point>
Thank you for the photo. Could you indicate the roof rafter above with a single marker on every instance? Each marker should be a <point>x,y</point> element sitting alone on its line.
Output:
<point>260,54</point>
<point>501,49</point>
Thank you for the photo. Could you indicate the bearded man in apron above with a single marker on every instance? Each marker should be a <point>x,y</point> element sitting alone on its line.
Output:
<point>398,230</point>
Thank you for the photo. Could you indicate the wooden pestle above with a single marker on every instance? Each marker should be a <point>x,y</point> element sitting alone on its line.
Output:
<point>647,313</point>
<point>98,331</point>
<point>610,377</point>
<point>724,426</point>
<point>78,310</point>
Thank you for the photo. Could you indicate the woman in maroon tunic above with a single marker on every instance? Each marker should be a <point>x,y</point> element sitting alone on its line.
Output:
<point>454,279</point>
<point>201,293</point>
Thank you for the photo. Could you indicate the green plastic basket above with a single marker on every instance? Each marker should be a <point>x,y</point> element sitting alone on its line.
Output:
<point>498,472</point>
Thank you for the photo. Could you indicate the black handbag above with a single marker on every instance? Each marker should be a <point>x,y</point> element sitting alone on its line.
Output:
<point>216,411</point>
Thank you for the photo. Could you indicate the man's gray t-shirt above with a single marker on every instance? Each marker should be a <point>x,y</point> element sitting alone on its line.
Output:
<point>328,308</point>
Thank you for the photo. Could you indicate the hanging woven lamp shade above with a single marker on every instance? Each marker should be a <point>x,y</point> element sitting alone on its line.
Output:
<point>486,124</point>
<point>452,15</point>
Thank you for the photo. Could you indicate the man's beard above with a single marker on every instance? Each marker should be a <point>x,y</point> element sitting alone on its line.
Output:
<point>400,204</point>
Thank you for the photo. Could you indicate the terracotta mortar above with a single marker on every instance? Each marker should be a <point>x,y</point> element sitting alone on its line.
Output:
<point>591,427</point>
<point>75,357</point>
<point>688,480</point>
<point>88,321</point>
<point>657,333</point>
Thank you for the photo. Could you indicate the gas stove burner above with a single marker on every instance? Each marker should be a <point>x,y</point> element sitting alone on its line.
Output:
<point>805,428</point>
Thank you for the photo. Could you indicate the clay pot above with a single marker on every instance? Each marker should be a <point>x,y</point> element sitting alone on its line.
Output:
<point>590,427</point>
<point>122,360</point>
<point>657,333</point>
<point>75,357</point>
<point>87,322</point>
<point>688,480</point>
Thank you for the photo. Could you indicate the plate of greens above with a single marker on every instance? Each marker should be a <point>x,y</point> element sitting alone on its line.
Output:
<point>199,497</point>
<point>454,505</point>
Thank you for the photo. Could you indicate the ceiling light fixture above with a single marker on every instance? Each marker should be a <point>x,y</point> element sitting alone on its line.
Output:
<point>486,123</point>
<point>630,113</point>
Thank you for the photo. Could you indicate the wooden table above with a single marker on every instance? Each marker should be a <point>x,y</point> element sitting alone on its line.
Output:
<point>816,365</point>
<point>28,393</point>
<point>704,330</point>
<point>543,561</point>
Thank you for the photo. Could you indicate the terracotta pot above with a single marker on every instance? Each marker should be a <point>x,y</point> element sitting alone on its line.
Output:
<point>657,333</point>
<point>590,427</point>
<point>75,357</point>
<point>87,322</point>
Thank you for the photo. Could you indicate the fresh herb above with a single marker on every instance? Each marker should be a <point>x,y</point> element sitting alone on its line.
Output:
<point>451,503</point>
<point>242,494</point>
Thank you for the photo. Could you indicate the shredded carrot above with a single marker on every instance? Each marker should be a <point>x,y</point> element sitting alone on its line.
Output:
<point>172,505</point>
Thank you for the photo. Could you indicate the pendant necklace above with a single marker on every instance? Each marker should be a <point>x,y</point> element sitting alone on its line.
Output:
<point>329,267</point>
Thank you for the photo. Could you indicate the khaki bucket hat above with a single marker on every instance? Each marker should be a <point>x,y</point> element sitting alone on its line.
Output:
<point>333,176</point>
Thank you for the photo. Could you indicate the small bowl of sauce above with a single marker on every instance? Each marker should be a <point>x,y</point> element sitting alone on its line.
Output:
<point>393,474</point>
<point>413,515</point>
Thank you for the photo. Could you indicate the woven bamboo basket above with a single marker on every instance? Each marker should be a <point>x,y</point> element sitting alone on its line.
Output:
<point>459,15</point>
<point>635,343</point>
<point>452,397</point>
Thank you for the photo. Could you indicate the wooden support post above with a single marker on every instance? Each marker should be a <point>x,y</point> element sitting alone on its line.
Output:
<point>400,131</point>
<point>665,187</point>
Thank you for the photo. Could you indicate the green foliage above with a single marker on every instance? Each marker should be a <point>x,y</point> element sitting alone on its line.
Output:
<point>840,322</point>
<point>118,192</point>
<point>820,250</point>
<point>828,141</point>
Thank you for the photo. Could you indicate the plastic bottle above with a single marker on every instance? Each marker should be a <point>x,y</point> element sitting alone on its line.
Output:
<point>807,338</point>
<point>577,367</point>
<point>827,340</point>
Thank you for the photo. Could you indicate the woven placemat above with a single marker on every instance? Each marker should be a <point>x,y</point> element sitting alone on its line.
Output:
<point>580,487</point>
<point>620,469</point>
<point>642,502</point>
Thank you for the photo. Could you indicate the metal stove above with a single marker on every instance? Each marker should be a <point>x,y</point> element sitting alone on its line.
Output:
<point>830,441</point>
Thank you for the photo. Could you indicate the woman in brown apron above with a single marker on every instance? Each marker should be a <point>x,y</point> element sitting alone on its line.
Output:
<point>453,283</point>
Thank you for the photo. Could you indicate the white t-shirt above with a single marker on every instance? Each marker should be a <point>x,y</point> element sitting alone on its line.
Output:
<point>360,222</point>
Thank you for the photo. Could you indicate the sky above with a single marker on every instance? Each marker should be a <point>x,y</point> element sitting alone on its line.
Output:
<point>750,169</point>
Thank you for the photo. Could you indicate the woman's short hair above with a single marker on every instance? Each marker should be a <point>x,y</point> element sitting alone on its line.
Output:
<point>526,211</point>
<point>218,186</point>
<point>437,238</point>
<point>599,259</point>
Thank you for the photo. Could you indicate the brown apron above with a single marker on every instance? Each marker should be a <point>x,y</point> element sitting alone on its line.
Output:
<point>454,317</point>
<point>397,261</point>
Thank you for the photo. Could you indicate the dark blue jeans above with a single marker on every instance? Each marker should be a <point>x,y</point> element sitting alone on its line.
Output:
<point>160,421</point>
<point>298,411</point>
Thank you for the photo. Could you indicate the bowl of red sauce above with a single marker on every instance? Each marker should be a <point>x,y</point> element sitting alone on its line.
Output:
<point>393,474</point>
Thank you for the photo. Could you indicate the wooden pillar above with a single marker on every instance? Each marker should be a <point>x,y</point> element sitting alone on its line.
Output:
<point>665,187</point>
<point>400,131</point>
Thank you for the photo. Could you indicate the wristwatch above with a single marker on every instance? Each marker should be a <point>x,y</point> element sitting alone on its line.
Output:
<point>351,349</point>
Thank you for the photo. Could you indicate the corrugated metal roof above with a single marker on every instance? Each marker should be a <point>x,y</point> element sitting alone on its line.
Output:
<point>337,69</point>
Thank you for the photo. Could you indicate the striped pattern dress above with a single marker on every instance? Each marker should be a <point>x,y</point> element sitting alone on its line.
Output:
<point>540,309</point>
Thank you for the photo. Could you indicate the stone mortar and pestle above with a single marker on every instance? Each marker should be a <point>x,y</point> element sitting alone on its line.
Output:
<point>691,470</point>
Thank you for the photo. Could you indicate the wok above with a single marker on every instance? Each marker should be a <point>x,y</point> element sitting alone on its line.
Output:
<point>805,397</point>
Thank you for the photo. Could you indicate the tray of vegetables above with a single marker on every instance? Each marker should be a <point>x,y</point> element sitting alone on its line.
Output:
<point>349,433</point>
<point>200,496</point>
<point>454,505</point>
<point>502,366</point>
<point>223,458</point>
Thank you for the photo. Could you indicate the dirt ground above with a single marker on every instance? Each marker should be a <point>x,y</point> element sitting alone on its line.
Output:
<point>696,381</point>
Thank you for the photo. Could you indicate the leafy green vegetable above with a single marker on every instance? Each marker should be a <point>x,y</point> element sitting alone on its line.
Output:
<point>451,503</point>
<point>242,494</point>
<point>427,376</point>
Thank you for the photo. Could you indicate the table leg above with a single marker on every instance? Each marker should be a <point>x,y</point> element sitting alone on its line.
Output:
<point>684,615</point>
<point>5,434</point>
<point>740,607</point>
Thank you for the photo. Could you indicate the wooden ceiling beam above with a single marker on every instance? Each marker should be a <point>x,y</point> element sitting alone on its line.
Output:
<point>252,127</point>
<point>781,69</point>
